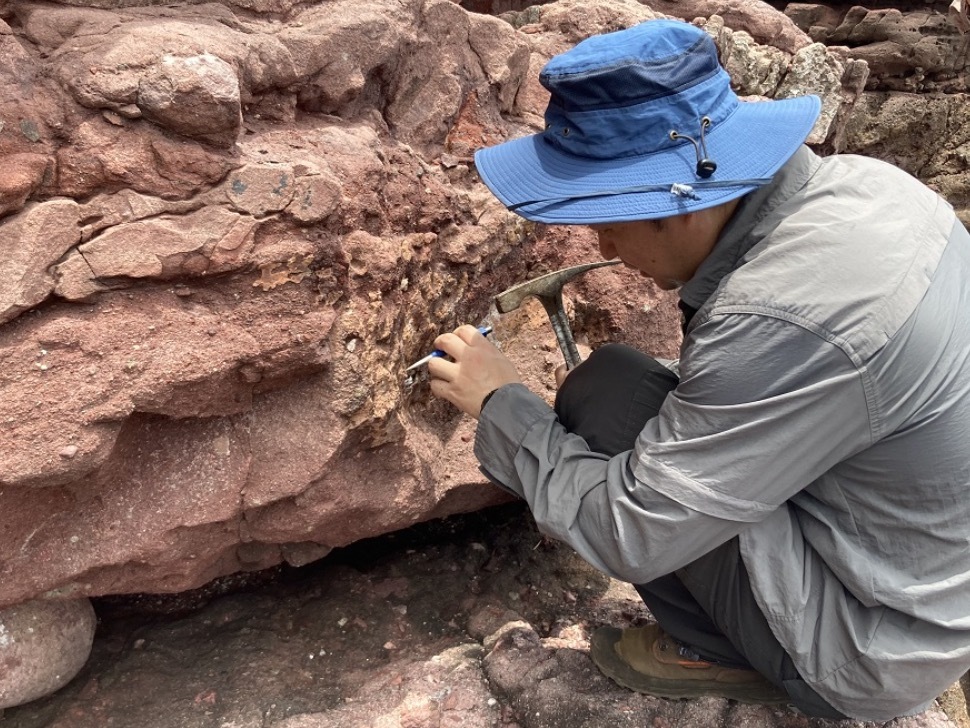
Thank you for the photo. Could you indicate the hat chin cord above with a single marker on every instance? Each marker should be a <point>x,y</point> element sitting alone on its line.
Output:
<point>705,166</point>
<point>678,189</point>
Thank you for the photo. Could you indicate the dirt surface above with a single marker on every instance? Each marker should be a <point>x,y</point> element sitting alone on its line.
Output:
<point>471,621</point>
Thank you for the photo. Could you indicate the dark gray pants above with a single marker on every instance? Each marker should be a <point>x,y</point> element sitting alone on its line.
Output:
<point>707,605</point>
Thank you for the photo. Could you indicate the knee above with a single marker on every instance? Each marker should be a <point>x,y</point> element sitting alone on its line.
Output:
<point>615,379</point>
<point>613,365</point>
<point>611,355</point>
<point>607,361</point>
<point>593,373</point>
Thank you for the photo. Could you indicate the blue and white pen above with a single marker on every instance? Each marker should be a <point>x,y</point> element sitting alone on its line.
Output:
<point>483,330</point>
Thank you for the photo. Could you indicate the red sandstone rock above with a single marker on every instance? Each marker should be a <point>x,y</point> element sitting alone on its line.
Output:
<point>30,244</point>
<point>229,235</point>
<point>22,175</point>
<point>195,96</point>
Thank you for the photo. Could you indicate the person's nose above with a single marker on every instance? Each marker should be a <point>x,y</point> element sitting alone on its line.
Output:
<point>607,249</point>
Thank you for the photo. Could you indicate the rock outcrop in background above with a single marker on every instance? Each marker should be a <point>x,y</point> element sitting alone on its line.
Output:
<point>225,229</point>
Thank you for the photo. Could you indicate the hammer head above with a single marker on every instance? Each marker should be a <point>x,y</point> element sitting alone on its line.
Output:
<point>545,286</point>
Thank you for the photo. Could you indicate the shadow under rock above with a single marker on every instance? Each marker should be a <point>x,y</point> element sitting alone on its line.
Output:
<point>474,620</point>
<point>252,650</point>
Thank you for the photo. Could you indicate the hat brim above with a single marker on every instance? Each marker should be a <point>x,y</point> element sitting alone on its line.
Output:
<point>546,185</point>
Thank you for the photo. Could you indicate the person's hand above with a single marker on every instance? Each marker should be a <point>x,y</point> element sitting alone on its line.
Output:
<point>560,374</point>
<point>562,370</point>
<point>478,368</point>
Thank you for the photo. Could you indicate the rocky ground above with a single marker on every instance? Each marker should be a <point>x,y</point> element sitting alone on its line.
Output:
<point>471,621</point>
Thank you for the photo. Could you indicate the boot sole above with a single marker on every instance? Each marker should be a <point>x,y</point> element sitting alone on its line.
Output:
<point>610,664</point>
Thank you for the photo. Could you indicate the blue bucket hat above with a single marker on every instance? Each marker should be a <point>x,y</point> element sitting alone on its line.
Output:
<point>642,124</point>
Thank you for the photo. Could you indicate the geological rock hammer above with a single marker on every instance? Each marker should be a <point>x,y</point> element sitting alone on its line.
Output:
<point>548,289</point>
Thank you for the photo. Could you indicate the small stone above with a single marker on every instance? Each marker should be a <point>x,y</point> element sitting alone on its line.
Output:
<point>113,117</point>
<point>45,644</point>
<point>68,452</point>
<point>130,111</point>
<point>250,374</point>
<point>30,130</point>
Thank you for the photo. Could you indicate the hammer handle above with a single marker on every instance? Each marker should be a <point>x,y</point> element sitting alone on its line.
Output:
<point>560,324</point>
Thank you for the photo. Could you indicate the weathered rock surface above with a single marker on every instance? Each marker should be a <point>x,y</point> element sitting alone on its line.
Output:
<point>474,623</point>
<point>225,229</point>
<point>913,112</point>
<point>920,49</point>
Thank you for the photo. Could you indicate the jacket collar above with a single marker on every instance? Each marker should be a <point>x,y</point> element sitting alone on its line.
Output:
<point>737,237</point>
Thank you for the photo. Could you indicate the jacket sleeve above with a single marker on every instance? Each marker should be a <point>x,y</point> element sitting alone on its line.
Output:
<point>764,406</point>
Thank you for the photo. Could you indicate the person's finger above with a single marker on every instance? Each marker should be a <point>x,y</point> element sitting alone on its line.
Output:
<point>450,344</point>
<point>439,388</point>
<point>468,333</point>
<point>442,369</point>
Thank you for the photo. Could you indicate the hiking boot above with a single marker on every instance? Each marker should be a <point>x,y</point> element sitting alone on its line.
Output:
<point>647,660</point>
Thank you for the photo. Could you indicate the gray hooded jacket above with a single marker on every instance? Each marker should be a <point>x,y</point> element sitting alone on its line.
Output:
<point>823,416</point>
